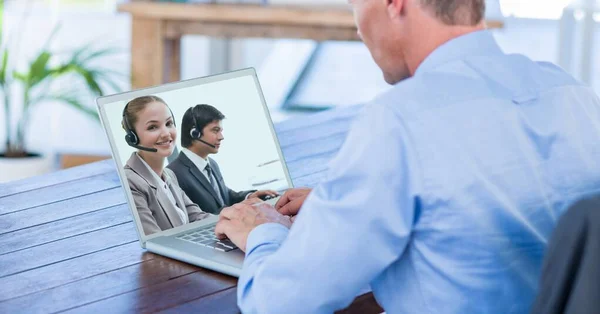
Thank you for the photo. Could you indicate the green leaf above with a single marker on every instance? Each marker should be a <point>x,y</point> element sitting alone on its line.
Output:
<point>108,80</point>
<point>78,53</point>
<point>90,80</point>
<point>21,76</point>
<point>38,70</point>
<point>3,66</point>
<point>62,69</point>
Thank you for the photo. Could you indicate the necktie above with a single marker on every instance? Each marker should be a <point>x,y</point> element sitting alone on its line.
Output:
<point>213,182</point>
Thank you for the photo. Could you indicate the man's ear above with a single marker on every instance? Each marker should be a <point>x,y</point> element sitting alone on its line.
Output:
<point>395,7</point>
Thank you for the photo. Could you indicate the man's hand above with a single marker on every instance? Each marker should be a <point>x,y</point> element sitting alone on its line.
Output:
<point>251,201</point>
<point>237,221</point>
<point>291,201</point>
<point>261,193</point>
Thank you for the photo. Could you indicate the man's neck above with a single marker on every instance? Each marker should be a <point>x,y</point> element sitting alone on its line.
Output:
<point>194,149</point>
<point>436,36</point>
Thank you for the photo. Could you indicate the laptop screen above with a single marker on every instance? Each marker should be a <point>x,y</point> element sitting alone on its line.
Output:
<point>227,127</point>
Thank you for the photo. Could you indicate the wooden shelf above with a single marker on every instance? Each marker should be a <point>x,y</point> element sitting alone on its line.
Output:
<point>243,14</point>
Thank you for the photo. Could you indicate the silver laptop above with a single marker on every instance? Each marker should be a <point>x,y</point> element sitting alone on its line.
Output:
<point>250,158</point>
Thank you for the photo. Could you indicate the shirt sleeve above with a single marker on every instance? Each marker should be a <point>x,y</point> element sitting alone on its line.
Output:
<point>350,229</point>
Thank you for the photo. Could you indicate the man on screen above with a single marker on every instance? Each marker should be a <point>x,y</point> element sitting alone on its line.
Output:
<point>198,175</point>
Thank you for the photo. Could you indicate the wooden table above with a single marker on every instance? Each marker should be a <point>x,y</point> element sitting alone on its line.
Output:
<point>157,29</point>
<point>68,243</point>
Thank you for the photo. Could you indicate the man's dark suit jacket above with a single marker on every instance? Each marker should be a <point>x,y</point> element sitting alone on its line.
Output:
<point>198,188</point>
<point>570,281</point>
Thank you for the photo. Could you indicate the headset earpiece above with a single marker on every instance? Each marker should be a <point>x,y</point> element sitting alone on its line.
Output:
<point>197,134</point>
<point>130,136</point>
<point>131,139</point>
<point>194,133</point>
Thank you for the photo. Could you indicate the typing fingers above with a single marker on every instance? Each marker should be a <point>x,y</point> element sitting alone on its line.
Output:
<point>283,200</point>
<point>272,193</point>
<point>291,208</point>
<point>222,228</point>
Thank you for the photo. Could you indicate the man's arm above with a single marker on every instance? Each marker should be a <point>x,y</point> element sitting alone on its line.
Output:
<point>236,197</point>
<point>351,227</point>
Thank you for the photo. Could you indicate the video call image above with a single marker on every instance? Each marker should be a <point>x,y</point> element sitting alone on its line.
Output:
<point>190,152</point>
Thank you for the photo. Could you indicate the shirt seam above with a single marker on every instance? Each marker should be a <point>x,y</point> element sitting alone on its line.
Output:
<point>409,145</point>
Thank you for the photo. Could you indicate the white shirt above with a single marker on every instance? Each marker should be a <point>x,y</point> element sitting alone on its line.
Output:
<point>198,161</point>
<point>201,163</point>
<point>163,185</point>
<point>446,206</point>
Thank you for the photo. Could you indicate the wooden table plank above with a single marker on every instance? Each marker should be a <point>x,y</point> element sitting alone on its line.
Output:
<point>329,143</point>
<point>309,143</point>
<point>71,270</point>
<point>214,303</point>
<point>57,177</point>
<point>306,167</point>
<point>222,302</point>
<point>58,192</point>
<point>66,249</point>
<point>153,270</point>
<point>300,124</point>
<point>61,229</point>
<point>163,295</point>
<point>56,211</point>
<point>315,134</point>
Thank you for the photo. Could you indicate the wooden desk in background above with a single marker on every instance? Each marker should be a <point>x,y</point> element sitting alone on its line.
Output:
<point>68,243</point>
<point>157,29</point>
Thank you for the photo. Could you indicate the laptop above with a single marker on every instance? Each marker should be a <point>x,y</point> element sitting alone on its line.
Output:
<point>250,158</point>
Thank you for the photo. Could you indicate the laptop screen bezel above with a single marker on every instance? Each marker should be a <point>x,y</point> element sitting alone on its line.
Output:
<point>126,96</point>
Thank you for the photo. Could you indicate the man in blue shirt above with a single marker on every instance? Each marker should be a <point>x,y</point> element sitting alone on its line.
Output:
<point>448,186</point>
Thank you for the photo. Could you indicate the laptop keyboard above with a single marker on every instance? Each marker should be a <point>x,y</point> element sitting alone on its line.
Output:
<point>206,237</point>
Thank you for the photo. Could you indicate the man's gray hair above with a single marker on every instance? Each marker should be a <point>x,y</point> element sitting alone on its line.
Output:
<point>457,12</point>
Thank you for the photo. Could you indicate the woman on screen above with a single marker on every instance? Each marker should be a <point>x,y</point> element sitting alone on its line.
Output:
<point>150,127</point>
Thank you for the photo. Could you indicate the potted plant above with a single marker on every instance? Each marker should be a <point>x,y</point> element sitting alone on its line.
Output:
<point>22,90</point>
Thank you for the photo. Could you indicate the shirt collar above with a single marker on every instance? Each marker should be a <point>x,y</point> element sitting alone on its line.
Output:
<point>198,161</point>
<point>472,44</point>
<point>158,179</point>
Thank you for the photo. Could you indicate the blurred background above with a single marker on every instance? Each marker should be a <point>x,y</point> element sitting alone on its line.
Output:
<point>58,55</point>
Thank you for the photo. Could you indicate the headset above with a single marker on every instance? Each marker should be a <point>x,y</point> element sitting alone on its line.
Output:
<point>131,137</point>
<point>196,132</point>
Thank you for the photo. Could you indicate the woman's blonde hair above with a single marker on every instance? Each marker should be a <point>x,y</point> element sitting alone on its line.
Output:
<point>133,107</point>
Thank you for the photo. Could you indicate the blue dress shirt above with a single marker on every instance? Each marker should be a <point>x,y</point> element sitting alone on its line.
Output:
<point>444,194</point>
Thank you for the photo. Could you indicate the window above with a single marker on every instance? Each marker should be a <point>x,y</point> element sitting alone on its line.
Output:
<point>537,9</point>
